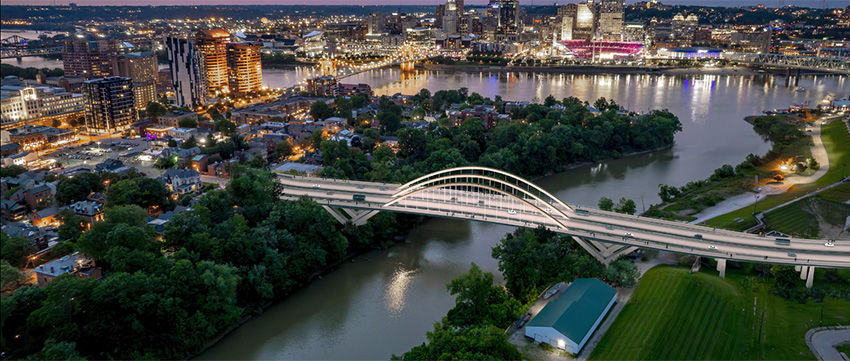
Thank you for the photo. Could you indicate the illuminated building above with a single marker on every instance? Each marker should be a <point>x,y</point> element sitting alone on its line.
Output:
<point>89,59</point>
<point>567,14</point>
<point>244,67</point>
<point>682,27</point>
<point>756,41</point>
<point>450,17</point>
<point>327,86</point>
<point>583,28</point>
<point>213,46</point>
<point>602,49</point>
<point>508,27</point>
<point>23,104</point>
<point>109,104</point>
<point>145,92</point>
<point>188,77</point>
<point>140,66</point>
<point>610,19</point>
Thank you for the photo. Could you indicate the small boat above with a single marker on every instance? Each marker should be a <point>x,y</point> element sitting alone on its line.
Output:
<point>800,89</point>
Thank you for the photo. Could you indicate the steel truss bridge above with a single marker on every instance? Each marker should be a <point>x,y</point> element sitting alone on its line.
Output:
<point>406,55</point>
<point>16,46</point>
<point>833,65</point>
<point>494,196</point>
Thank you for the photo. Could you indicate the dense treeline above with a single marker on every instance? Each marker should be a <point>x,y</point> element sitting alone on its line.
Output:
<point>27,73</point>
<point>539,139</point>
<point>236,250</point>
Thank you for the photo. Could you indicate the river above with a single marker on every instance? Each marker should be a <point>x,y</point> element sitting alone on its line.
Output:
<point>386,302</point>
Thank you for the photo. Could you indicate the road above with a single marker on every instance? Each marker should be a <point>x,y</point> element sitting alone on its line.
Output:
<point>823,340</point>
<point>597,225</point>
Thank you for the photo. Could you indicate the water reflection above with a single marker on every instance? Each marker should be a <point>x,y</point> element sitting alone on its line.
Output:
<point>394,297</point>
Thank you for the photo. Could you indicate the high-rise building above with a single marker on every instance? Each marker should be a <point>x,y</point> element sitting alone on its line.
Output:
<point>109,104</point>
<point>450,18</point>
<point>508,27</point>
<point>140,66</point>
<point>244,67</point>
<point>610,19</point>
<point>462,20</point>
<point>567,16</point>
<point>145,92</point>
<point>682,27</point>
<point>89,59</point>
<point>583,28</point>
<point>213,45</point>
<point>188,75</point>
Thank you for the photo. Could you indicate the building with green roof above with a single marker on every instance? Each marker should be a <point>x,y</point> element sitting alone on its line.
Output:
<point>568,321</point>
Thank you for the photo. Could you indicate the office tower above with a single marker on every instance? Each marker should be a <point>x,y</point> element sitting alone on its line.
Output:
<point>188,76</point>
<point>610,19</point>
<point>682,27</point>
<point>244,67</point>
<point>462,19</point>
<point>440,13</point>
<point>140,66</point>
<point>508,19</point>
<point>213,46</point>
<point>450,18</point>
<point>145,92</point>
<point>377,24</point>
<point>89,59</point>
<point>583,28</point>
<point>567,15</point>
<point>109,104</point>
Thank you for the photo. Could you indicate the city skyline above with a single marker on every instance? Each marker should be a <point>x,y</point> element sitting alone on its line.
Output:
<point>723,3</point>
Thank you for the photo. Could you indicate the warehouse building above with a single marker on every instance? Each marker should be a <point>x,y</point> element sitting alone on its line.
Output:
<point>568,322</point>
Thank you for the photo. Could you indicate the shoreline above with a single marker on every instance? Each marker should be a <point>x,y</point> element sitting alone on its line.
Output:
<point>593,69</point>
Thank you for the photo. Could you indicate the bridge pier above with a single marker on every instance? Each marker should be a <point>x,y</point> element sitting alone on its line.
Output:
<point>721,267</point>
<point>358,218</point>
<point>604,252</point>
<point>807,273</point>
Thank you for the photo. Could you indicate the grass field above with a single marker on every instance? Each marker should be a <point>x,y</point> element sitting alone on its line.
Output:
<point>809,218</point>
<point>844,348</point>
<point>836,140</point>
<point>674,315</point>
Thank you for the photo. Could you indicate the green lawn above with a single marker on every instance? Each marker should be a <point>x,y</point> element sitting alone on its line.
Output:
<point>844,348</point>
<point>836,139</point>
<point>674,315</point>
<point>802,219</point>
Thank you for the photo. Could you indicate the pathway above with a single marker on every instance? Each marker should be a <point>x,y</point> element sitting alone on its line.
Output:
<point>823,340</point>
<point>742,200</point>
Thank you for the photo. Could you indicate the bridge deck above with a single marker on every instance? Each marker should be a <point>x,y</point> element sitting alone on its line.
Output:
<point>595,225</point>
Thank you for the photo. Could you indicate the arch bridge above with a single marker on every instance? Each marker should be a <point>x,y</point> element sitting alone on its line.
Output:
<point>495,196</point>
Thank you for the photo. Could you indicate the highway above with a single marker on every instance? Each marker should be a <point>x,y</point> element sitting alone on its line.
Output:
<point>591,224</point>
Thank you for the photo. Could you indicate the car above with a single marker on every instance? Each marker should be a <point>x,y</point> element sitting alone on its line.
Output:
<point>547,210</point>
<point>511,211</point>
<point>359,186</point>
<point>698,236</point>
<point>330,193</point>
<point>830,243</point>
<point>608,226</point>
<point>316,186</point>
<point>629,235</point>
<point>792,254</point>
<point>453,199</point>
<point>383,188</point>
<point>712,247</point>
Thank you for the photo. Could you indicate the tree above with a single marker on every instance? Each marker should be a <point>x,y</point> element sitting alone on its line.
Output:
<point>56,350</point>
<point>550,101</point>
<point>187,123</point>
<point>9,275</point>
<point>606,204</point>
<point>390,122</point>
<point>479,302</point>
<point>225,126</point>
<point>447,342</point>
<point>155,110</point>
<point>164,163</point>
<point>77,188</point>
<point>72,225</point>
<point>320,110</point>
<point>282,150</point>
<point>143,192</point>
<point>15,249</point>
<point>172,143</point>
<point>12,170</point>
<point>189,143</point>
<point>626,206</point>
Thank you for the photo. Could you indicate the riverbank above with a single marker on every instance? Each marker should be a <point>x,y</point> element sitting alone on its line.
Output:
<point>591,69</point>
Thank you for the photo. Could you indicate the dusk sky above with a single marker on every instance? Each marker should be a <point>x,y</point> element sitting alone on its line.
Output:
<point>806,3</point>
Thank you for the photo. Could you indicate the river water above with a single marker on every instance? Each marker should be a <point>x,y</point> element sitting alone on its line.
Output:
<point>386,302</point>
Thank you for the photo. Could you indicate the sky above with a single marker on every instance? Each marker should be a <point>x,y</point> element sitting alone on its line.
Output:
<point>769,3</point>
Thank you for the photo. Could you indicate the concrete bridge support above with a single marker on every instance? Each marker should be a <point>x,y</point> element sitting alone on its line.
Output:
<point>721,267</point>
<point>358,218</point>
<point>807,273</point>
<point>604,252</point>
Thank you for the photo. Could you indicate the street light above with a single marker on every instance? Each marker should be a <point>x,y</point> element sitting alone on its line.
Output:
<point>755,204</point>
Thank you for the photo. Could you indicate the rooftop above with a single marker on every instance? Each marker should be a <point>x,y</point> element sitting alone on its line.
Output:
<point>578,308</point>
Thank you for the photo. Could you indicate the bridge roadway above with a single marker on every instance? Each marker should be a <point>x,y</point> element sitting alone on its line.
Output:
<point>608,227</point>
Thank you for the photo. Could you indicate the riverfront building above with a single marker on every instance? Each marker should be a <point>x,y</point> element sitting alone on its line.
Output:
<point>110,104</point>
<point>188,75</point>
<point>89,59</point>
<point>569,321</point>
<point>213,44</point>
<point>140,66</point>
<point>244,67</point>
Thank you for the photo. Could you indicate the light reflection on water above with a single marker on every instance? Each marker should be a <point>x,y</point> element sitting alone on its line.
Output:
<point>396,292</point>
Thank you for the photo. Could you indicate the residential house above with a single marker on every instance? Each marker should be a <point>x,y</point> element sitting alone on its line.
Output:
<point>91,211</point>
<point>182,181</point>
<point>36,236</point>
<point>76,264</point>
<point>46,217</point>
<point>38,197</point>
<point>12,211</point>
